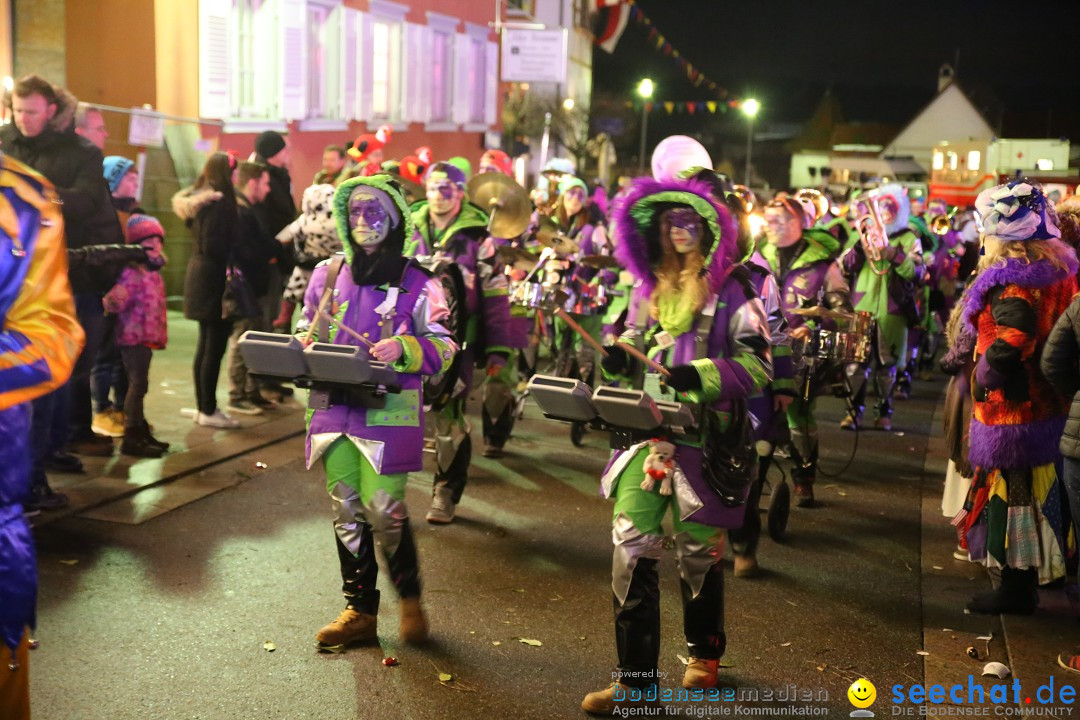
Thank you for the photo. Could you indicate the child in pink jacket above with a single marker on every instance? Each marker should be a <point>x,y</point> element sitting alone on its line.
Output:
<point>138,301</point>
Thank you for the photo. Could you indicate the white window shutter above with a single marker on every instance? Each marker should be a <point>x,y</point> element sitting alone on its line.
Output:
<point>335,62</point>
<point>215,99</point>
<point>292,58</point>
<point>461,79</point>
<point>417,73</point>
<point>366,79</point>
<point>350,58</point>
<point>491,85</point>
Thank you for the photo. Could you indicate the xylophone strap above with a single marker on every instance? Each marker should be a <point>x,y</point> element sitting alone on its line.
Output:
<point>325,301</point>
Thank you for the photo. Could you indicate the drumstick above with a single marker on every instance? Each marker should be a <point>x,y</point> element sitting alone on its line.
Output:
<point>348,330</point>
<point>644,358</point>
<point>319,311</point>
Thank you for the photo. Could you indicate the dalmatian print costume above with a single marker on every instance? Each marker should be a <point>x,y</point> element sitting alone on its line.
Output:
<point>313,236</point>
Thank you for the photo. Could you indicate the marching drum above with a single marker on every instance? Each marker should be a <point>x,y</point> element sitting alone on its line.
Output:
<point>528,294</point>
<point>586,300</point>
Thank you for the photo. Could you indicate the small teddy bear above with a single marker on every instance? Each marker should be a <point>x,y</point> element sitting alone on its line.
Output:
<point>659,465</point>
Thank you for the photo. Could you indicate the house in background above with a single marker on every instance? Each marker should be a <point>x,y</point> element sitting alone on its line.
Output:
<point>221,71</point>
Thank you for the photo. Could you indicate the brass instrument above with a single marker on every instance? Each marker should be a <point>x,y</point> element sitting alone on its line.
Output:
<point>746,197</point>
<point>872,233</point>
<point>819,201</point>
<point>940,225</point>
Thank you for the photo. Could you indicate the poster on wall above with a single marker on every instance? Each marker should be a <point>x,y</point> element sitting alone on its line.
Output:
<point>146,128</point>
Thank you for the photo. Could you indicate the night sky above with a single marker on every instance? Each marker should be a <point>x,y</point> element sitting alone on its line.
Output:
<point>1018,61</point>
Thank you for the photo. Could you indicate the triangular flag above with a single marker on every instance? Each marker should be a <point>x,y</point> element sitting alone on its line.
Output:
<point>691,107</point>
<point>669,106</point>
<point>711,104</point>
<point>659,41</point>
<point>667,49</point>
<point>648,107</point>
<point>629,104</point>
<point>675,53</point>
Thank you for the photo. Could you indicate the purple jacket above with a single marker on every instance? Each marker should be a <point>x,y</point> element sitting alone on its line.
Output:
<point>416,321</point>
<point>737,361</point>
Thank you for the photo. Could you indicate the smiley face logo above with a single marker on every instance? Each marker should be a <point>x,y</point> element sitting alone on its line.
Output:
<point>862,693</point>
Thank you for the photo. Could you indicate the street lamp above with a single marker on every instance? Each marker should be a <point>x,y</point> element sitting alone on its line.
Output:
<point>568,104</point>
<point>750,108</point>
<point>645,90</point>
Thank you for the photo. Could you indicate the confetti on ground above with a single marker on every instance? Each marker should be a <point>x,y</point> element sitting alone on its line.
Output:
<point>390,662</point>
<point>269,646</point>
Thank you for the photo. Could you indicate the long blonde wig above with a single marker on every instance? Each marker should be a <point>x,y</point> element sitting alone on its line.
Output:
<point>997,251</point>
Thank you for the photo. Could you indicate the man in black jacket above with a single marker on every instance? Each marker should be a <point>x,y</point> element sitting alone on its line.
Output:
<point>43,137</point>
<point>277,210</point>
<point>254,255</point>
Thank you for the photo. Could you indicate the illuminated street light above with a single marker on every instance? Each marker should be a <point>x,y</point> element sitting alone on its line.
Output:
<point>645,90</point>
<point>750,108</point>
<point>568,104</point>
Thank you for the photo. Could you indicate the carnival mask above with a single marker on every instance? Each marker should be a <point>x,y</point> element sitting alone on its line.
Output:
<point>443,195</point>
<point>684,227</point>
<point>369,218</point>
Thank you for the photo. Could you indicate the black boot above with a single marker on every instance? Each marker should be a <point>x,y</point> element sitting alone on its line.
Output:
<point>497,430</point>
<point>403,566</point>
<point>803,474</point>
<point>637,626</point>
<point>457,474</point>
<point>744,540</point>
<point>136,443</point>
<point>703,616</point>
<point>153,440</point>
<point>359,573</point>
<point>1017,595</point>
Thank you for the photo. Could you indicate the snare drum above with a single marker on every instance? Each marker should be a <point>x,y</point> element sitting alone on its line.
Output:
<point>527,294</point>
<point>587,300</point>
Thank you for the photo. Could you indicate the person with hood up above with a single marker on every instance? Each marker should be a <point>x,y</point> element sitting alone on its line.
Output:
<point>885,288</point>
<point>695,312</point>
<point>803,260</point>
<point>367,453</point>
<point>449,227</point>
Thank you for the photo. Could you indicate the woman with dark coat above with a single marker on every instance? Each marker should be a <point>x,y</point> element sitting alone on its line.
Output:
<point>209,208</point>
<point>1060,365</point>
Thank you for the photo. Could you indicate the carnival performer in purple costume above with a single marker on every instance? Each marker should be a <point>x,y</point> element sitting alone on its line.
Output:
<point>367,452</point>
<point>695,313</point>
<point>449,227</point>
<point>803,260</point>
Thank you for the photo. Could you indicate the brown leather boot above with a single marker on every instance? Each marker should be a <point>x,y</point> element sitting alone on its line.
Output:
<point>700,674</point>
<point>414,626</point>
<point>745,566</point>
<point>350,628</point>
<point>605,702</point>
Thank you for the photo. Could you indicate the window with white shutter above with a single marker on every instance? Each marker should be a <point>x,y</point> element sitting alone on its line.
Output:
<point>292,58</point>
<point>491,85</point>
<point>418,62</point>
<point>385,55</point>
<point>440,80</point>
<point>214,61</point>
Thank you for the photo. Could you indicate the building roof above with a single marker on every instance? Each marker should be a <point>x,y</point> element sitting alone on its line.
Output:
<point>950,115</point>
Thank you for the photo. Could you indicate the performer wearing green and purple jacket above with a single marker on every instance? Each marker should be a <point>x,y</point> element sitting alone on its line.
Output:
<point>884,287</point>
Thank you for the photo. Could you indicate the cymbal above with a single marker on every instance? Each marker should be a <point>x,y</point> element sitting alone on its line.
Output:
<point>519,258</point>
<point>548,235</point>
<point>505,202</point>
<point>602,262</point>
<point>823,313</point>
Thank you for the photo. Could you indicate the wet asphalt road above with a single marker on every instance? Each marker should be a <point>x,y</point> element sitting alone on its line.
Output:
<point>168,619</point>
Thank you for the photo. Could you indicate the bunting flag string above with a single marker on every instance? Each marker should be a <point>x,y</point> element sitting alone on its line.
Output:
<point>693,74</point>
<point>688,106</point>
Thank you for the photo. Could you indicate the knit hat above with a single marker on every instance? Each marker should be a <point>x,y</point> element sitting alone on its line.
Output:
<point>453,173</point>
<point>569,181</point>
<point>143,227</point>
<point>462,164</point>
<point>269,143</point>
<point>1016,211</point>
<point>115,168</point>
<point>498,160</point>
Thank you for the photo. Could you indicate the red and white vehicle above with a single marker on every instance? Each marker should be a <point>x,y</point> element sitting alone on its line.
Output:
<point>960,171</point>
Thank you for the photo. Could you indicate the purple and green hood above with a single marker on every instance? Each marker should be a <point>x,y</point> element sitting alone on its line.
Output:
<point>636,223</point>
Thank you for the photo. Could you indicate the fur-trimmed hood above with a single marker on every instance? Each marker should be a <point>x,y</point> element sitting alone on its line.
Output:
<point>66,103</point>
<point>187,203</point>
<point>636,226</point>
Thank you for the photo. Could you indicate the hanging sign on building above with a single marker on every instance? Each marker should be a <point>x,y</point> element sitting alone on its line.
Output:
<point>534,55</point>
<point>146,128</point>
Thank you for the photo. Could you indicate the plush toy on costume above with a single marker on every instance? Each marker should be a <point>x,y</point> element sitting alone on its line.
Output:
<point>659,466</point>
